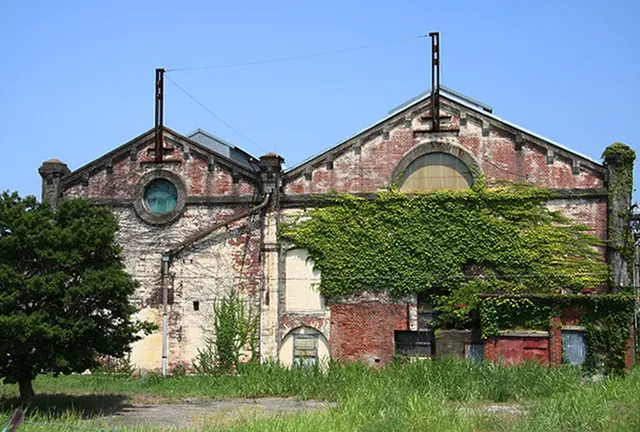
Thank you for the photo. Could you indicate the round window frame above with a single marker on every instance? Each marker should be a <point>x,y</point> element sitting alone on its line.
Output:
<point>140,205</point>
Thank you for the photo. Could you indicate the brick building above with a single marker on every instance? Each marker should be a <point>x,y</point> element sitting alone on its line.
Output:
<point>204,221</point>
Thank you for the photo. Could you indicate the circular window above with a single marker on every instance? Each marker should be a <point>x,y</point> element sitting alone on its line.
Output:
<point>160,196</point>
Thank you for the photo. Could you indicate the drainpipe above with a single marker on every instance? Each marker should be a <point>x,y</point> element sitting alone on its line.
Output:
<point>165,296</point>
<point>636,269</point>
<point>168,256</point>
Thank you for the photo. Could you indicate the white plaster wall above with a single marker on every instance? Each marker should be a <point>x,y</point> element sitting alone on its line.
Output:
<point>204,273</point>
<point>302,281</point>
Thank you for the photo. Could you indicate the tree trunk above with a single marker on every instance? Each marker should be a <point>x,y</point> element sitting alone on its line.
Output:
<point>26,391</point>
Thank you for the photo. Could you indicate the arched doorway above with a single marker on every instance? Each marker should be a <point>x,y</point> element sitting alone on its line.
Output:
<point>304,346</point>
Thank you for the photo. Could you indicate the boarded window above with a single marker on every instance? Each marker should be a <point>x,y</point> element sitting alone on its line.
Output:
<point>574,347</point>
<point>414,343</point>
<point>305,350</point>
<point>435,171</point>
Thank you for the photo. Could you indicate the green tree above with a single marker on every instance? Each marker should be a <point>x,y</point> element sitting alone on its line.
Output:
<point>64,293</point>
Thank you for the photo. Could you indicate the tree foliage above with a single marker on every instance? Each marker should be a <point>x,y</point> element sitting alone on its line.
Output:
<point>64,293</point>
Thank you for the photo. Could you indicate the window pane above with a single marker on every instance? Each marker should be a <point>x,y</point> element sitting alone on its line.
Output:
<point>574,347</point>
<point>435,171</point>
<point>161,196</point>
<point>304,347</point>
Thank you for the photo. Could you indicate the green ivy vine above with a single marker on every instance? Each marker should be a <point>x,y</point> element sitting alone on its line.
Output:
<point>620,190</point>
<point>460,242</point>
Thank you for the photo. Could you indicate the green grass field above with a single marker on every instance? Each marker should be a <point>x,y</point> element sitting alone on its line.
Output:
<point>429,395</point>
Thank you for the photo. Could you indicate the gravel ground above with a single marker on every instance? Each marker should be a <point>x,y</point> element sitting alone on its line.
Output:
<point>194,413</point>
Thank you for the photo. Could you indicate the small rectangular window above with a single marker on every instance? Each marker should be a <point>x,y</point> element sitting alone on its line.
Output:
<point>196,305</point>
<point>574,347</point>
<point>305,350</point>
<point>414,343</point>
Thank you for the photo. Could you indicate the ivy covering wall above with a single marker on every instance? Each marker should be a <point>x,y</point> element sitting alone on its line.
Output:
<point>620,189</point>
<point>448,244</point>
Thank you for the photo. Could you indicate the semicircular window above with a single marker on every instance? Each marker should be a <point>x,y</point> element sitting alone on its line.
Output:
<point>434,171</point>
<point>160,196</point>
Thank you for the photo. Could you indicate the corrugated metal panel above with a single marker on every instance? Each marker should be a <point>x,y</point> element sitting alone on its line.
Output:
<point>574,346</point>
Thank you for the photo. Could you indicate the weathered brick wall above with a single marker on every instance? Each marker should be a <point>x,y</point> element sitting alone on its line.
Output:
<point>229,258</point>
<point>591,212</point>
<point>365,331</point>
<point>365,167</point>
<point>120,180</point>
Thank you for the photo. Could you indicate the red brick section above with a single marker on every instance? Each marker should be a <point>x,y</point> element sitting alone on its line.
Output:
<point>121,182</point>
<point>365,331</point>
<point>555,341</point>
<point>496,154</point>
<point>373,166</point>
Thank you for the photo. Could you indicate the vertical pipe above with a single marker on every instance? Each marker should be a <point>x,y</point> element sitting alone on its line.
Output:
<point>165,296</point>
<point>636,270</point>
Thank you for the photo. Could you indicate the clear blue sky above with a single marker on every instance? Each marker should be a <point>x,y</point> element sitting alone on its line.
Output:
<point>76,77</point>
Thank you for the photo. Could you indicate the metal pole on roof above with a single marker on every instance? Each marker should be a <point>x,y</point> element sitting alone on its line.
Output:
<point>435,81</point>
<point>159,111</point>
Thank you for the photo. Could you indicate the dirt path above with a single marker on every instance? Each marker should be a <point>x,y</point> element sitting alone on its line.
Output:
<point>210,412</point>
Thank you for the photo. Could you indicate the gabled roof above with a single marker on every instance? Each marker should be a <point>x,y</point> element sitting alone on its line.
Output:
<point>248,167</point>
<point>472,105</point>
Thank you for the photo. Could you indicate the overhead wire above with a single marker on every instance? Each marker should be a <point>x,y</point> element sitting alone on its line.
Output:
<point>296,57</point>
<point>214,114</point>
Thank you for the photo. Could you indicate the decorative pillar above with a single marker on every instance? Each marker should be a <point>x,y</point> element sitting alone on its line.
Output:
<point>52,172</point>
<point>270,174</point>
<point>618,160</point>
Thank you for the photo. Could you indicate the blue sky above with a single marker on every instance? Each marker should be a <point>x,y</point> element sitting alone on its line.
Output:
<point>77,76</point>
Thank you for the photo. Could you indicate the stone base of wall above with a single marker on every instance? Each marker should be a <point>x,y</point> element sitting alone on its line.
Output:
<point>451,343</point>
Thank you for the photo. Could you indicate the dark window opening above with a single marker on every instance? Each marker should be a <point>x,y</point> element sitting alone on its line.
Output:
<point>414,343</point>
<point>196,305</point>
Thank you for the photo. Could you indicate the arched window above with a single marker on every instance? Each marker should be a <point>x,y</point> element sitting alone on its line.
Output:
<point>434,171</point>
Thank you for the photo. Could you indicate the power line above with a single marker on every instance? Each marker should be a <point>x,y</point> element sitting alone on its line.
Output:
<point>296,57</point>
<point>214,114</point>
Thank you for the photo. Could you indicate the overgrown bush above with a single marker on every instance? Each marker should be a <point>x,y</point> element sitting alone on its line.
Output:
<point>235,326</point>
